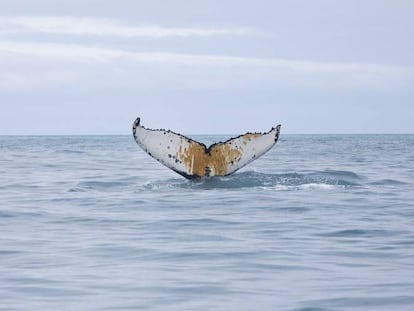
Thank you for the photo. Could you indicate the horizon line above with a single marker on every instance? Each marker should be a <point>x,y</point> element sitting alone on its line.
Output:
<point>211,134</point>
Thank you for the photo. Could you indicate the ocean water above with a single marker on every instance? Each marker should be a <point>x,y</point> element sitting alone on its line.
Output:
<point>321,222</point>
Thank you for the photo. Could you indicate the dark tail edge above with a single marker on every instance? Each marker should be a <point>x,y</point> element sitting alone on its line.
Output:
<point>277,132</point>
<point>135,125</point>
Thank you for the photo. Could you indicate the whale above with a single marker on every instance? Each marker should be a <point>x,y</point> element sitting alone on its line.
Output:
<point>194,160</point>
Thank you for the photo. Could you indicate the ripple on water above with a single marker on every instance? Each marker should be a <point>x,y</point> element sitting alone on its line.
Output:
<point>388,182</point>
<point>250,179</point>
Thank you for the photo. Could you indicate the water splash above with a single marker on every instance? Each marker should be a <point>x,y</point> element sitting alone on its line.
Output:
<point>327,179</point>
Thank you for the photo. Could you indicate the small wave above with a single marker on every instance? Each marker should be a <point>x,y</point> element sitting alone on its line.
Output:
<point>76,189</point>
<point>98,185</point>
<point>388,182</point>
<point>290,181</point>
<point>70,151</point>
<point>322,180</point>
<point>354,233</point>
<point>317,186</point>
<point>5,214</point>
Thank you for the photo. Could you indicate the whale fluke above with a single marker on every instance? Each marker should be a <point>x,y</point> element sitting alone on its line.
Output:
<point>192,159</point>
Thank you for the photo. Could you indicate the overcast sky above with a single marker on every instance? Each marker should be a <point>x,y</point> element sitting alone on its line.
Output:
<point>206,67</point>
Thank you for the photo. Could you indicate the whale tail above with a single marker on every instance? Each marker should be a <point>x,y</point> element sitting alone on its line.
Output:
<point>192,159</point>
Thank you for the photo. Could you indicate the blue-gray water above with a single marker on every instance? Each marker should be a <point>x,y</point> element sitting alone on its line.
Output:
<point>319,223</point>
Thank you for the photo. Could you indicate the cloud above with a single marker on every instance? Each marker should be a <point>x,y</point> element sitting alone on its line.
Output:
<point>67,25</point>
<point>82,53</point>
<point>190,70</point>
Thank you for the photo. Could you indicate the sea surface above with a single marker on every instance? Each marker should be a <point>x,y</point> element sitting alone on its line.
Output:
<point>320,222</point>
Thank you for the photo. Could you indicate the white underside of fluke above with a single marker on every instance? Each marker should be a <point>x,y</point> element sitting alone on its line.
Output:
<point>192,159</point>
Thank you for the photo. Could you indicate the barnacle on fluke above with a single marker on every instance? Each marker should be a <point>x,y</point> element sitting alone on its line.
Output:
<point>192,159</point>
